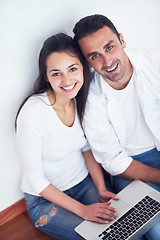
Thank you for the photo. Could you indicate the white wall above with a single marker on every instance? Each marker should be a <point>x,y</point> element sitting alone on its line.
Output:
<point>24,25</point>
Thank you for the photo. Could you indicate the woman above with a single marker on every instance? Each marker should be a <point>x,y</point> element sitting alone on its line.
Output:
<point>59,192</point>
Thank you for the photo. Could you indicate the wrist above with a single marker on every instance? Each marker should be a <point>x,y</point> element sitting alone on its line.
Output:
<point>101,189</point>
<point>79,209</point>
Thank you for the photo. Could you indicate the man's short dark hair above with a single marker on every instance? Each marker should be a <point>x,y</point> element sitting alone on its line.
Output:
<point>91,24</point>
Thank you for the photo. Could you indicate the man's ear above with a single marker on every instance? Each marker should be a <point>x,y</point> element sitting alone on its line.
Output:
<point>90,66</point>
<point>122,40</point>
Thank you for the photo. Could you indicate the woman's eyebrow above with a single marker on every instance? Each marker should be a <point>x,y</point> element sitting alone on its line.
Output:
<point>56,70</point>
<point>72,65</point>
<point>52,70</point>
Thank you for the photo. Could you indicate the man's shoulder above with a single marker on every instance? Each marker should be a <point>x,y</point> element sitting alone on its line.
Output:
<point>95,90</point>
<point>142,51</point>
<point>96,100</point>
<point>140,57</point>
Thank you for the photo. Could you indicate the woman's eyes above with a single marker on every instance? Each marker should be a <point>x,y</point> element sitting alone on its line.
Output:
<point>73,69</point>
<point>56,74</point>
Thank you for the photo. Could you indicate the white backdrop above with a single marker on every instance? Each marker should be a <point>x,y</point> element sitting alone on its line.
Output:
<point>24,25</point>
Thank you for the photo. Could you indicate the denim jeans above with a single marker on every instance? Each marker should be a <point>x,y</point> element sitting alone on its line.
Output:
<point>62,223</point>
<point>152,159</point>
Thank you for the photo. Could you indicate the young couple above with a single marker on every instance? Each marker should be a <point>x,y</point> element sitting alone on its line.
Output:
<point>62,181</point>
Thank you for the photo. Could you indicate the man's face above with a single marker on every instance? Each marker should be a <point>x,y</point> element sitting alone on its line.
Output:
<point>105,53</point>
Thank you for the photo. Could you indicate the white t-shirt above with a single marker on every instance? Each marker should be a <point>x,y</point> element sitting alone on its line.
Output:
<point>139,138</point>
<point>50,151</point>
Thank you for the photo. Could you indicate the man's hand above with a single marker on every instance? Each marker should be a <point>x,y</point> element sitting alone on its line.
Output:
<point>105,195</point>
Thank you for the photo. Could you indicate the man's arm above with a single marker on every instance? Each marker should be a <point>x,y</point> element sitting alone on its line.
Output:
<point>96,173</point>
<point>140,171</point>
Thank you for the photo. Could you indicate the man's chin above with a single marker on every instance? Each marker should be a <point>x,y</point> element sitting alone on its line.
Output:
<point>107,78</point>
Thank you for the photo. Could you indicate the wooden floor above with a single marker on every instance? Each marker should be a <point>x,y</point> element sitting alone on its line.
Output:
<point>21,228</point>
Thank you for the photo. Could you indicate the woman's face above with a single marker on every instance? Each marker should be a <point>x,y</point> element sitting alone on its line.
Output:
<point>65,74</point>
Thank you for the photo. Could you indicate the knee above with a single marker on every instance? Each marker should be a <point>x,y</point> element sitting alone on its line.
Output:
<point>43,220</point>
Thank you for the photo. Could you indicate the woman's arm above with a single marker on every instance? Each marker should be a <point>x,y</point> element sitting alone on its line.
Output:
<point>96,172</point>
<point>93,212</point>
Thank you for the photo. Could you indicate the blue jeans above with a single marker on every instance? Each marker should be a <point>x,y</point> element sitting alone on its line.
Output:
<point>152,159</point>
<point>62,223</point>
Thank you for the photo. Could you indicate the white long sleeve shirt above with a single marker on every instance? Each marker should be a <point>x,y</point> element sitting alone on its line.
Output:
<point>50,151</point>
<point>104,123</point>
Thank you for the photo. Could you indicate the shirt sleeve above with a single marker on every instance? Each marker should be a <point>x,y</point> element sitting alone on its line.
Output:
<point>103,139</point>
<point>29,142</point>
<point>86,147</point>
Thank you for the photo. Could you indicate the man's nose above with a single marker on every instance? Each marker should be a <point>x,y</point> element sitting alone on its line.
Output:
<point>106,60</point>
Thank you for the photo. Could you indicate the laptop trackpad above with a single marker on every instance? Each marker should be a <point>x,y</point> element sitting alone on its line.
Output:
<point>120,206</point>
<point>87,227</point>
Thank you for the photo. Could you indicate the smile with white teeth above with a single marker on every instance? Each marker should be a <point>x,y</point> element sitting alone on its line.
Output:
<point>112,69</point>
<point>69,87</point>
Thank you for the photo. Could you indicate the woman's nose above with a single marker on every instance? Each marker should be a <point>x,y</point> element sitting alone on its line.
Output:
<point>66,79</point>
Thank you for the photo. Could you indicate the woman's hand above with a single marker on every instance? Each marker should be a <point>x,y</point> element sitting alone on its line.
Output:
<point>106,195</point>
<point>98,212</point>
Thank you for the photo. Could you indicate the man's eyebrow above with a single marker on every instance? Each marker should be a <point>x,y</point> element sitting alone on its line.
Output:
<point>91,54</point>
<point>57,70</point>
<point>94,53</point>
<point>108,44</point>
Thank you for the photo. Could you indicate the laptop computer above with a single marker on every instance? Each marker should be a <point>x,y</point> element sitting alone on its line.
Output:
<point>138,209</point>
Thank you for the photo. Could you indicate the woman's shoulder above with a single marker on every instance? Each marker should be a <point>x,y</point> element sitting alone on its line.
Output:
<point>36,101</point>
<point>33,107</point>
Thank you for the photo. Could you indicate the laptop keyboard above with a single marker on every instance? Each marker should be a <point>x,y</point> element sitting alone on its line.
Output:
<point>132,220</point>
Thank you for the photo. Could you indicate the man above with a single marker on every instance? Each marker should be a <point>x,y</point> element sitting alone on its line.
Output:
<point>122,115</point>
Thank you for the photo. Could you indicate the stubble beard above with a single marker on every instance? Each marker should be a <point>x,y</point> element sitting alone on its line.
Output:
<point>115,77</point>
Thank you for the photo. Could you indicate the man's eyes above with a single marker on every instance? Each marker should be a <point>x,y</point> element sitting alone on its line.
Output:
<point>95,56</point>
<point>109,48</point>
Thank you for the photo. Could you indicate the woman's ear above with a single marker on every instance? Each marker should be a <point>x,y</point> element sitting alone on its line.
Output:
<point>46,79</point>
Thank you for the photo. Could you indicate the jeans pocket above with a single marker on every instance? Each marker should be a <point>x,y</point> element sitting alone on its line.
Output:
<point>31,200</point>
